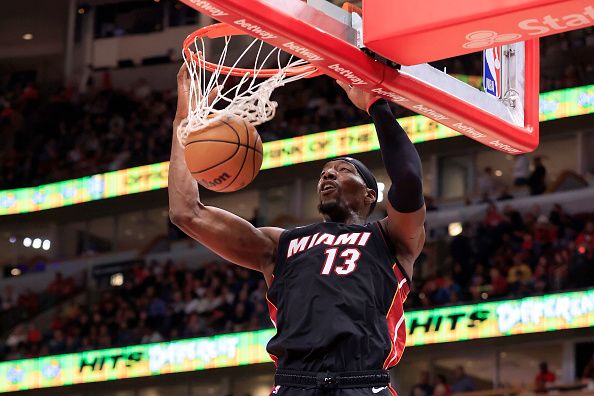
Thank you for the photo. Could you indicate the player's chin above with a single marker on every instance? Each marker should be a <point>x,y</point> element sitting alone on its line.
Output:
<point>328,206</point>
<point>327,201</point>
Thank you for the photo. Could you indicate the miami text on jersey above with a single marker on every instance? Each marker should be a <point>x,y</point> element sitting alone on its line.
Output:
<point>298,245</point>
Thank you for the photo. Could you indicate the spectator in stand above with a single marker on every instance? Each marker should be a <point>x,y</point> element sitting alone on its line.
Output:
<point>581,266</point>
<point>492,216</point>
<point>8,299</point>
<point>447,291</point>
<point>541,274</point>
<point>34,336</point>
<point>58,287</point>
<point>423,387</point>
<point>487,184</point>
<point>586,237</point>
<point>498,283</point>
<point>521,170</point>
<point>28,302</point>
<point>544,232</point>
<point>57,344</point>
<point>478,283</point>
<point>514,220</point>
<point>588,373</point>
<point>544,378</point>
<point>561,219</point>
<point>441,386</point>
<point>461,251</point>
<point>519,276</point>
<point>239,319</point>
<point>463,382</point>
<point>261,316</point>
<point>16,337</point>
<point>537,180</point>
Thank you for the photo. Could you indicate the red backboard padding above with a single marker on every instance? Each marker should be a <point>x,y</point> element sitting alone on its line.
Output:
<point>298,28</point>
<point>413,32</point>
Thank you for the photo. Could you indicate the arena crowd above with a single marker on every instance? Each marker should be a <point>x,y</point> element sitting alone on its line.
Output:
<point>53,135</point>
<point>507,254</point>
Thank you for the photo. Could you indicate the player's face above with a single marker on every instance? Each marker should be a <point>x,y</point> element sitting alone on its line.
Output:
<point>341,190</point>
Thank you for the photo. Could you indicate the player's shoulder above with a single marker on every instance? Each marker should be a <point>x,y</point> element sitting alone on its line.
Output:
<point>332,227</point>
<point>305,228</point>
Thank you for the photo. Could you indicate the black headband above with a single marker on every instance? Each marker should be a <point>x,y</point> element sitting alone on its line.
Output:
<point>365,174</point>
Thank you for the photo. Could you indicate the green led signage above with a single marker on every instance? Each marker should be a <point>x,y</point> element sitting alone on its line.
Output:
<point>553,312</point>
<point>553,105</point>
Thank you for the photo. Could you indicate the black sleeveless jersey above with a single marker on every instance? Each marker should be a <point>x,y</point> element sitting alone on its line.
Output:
<point>336,299</point>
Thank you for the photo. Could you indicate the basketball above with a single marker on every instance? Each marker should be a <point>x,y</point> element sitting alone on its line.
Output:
<point>226,155</point>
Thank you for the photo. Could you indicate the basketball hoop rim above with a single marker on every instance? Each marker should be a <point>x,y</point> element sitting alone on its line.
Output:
<point>219,30</point>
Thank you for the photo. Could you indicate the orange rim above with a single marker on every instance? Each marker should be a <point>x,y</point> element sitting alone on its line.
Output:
<point>219,30</point>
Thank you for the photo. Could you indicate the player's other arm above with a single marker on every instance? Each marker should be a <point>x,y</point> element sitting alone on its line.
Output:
<point>226,234</point>
<point>405,204</point>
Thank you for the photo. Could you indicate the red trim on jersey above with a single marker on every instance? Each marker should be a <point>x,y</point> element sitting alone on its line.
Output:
<point>395,321</point>
<point>392,390</point>
<point>274,359</point>
<point>272,309</point>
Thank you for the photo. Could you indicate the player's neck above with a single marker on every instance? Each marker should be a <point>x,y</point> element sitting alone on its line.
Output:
<point>352,218</point>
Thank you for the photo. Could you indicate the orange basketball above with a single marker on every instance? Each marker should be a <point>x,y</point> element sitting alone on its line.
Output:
<point>226,155</point>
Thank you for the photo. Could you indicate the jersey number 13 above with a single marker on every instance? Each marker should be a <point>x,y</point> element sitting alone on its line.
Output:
<point>343,267</point>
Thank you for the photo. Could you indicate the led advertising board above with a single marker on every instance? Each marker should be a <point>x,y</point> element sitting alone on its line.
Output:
<point>553,105</point>
<point>553,312</point>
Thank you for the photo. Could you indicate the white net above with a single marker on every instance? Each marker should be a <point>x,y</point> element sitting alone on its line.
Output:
<point>248,94</point>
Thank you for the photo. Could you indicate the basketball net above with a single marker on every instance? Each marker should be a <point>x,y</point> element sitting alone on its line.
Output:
<point>249,97</point>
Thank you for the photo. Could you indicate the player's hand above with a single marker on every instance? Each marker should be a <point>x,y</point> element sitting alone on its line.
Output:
<point>183,92</point>
<point>360,98</point>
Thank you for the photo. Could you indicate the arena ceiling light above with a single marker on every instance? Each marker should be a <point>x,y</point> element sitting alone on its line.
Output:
<point>117,279</point>
<point>35,243</point>
<point>46,244</point>
<point>455,229</point>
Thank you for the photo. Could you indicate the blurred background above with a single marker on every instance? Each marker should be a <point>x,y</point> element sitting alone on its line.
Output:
<point>97,285</point>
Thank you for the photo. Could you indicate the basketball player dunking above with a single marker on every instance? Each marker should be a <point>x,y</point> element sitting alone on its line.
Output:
<point>335,289</point>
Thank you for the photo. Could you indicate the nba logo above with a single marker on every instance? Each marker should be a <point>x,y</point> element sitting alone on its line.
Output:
<point>492,71</point>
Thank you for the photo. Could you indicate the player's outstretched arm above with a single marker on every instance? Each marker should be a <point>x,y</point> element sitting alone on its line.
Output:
<point>405,203</point>
<point>226,234</point>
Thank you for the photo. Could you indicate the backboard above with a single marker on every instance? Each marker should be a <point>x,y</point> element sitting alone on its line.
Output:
<point>364,52</point>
